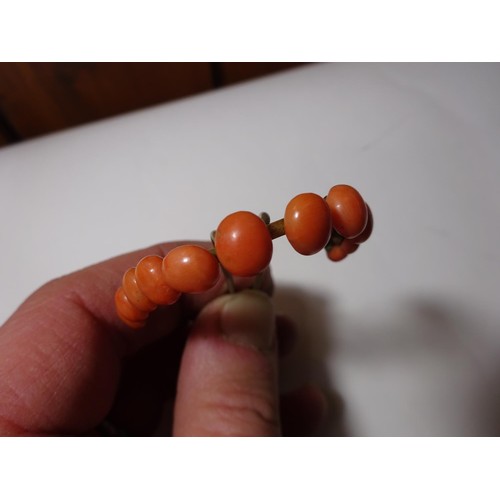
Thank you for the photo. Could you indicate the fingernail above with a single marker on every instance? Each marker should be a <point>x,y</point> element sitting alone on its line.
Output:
<point>247,318</point>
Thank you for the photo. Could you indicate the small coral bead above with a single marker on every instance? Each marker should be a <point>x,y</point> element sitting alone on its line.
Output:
<point>308,223</point>
<point>342,250</point>
<point>127,311</point>
<point>190,269</point>
<point>152,283</point>
<point>134,294</point>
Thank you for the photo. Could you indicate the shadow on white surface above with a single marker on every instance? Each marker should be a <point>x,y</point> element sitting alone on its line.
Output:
<point>423,366</point>
<point>309,361</point>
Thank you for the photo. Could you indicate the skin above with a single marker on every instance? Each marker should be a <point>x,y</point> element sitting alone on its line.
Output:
<point>67,363</point>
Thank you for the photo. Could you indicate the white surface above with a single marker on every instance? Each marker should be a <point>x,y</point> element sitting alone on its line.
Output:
<point>407,330</point>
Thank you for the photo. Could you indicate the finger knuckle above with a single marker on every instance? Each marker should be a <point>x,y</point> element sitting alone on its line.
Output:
<point>245,414</point>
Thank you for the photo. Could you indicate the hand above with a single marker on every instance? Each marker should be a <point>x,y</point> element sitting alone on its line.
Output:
<point>67,363</point>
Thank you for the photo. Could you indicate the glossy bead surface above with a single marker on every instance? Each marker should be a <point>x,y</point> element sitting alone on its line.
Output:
<point>348,210</point>
<point>342,250</point>
<point>133,292</point>
<point>132,324</point>
<point>307,223</point>
<point>336,253</point>
<point>151,282</point>
<point>367,231</point>
<point>190,269</point>
<point>126,310</point>
<point>349,246</point>
<point>243,244</point>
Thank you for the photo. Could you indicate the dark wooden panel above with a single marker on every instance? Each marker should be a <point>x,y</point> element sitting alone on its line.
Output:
<point>7,134</point>
<point>234,72</point>
<point>36,98</point>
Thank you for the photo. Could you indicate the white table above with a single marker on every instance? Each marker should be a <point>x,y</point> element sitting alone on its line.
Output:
<point>407,330</point>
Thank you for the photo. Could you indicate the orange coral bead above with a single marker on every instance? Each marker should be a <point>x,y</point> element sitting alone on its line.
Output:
<point>126,310</point>
<point>190,269</point>
<point>133,292</point>
<point>152,283</point>
<point>308,223</point>
<point>349,246</point>
<point>132,324</point>
<point>342,250</point>
<point>336,253</point>
<point>348,210</point>
<point>243,244</point>
<point>367,231</point>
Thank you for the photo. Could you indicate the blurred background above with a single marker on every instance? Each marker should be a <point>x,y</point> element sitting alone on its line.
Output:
<point>39,98</point>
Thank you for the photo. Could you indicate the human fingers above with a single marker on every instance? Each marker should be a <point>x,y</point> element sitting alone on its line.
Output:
<point>303,411</point>
<point>147,387</point>
<point>286,333</point>
<point>142,404</point>
<point>228,382</point>
<point>61,351</point>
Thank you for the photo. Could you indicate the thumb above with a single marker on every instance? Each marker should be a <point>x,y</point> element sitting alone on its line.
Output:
<point>228,377</point>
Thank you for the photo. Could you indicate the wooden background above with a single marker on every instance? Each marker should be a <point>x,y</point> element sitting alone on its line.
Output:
<point>38,98</point>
